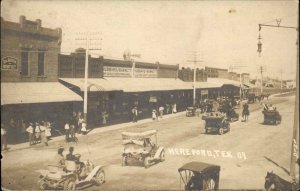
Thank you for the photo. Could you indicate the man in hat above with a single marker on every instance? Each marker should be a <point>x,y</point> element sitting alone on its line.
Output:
<point>59,158</point>
<point>29,130</point>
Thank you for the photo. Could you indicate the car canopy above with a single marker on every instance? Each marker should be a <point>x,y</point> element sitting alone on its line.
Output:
<point>137,137</point>
<point>200,167</point>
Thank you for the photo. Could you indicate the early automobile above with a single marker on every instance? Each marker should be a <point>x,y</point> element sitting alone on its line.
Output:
<point>228,108</point>
<point>271,115</point>
<point>200,176</point>
<point>73,174</point>
<point>216,122</point>
<point>190,111</point>
<point>142,147</point>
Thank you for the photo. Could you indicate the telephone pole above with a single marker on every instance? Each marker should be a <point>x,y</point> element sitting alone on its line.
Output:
<point>195,61</point>
<point>89,45</point>
<point>237,66</point>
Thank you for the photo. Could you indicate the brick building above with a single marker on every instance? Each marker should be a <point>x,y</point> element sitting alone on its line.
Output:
<point>187,75</point>
<point>216,72</point>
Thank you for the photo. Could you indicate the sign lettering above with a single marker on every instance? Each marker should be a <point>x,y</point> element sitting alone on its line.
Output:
<point>9,63</point>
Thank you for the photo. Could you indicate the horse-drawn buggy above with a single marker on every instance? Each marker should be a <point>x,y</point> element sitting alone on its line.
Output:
<point>216,122</point>
<point>141,147</point>
<point>200,176</point>
<point>271,115</point>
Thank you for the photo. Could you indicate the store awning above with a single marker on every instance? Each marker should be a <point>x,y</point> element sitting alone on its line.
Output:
<point>94,84</point>
<point>36,92</point>
<point>203,85</point>
<point>249,85</point>
<point>128,84</point>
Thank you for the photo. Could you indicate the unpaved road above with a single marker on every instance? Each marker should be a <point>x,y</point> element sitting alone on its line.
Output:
<point>265,148</point>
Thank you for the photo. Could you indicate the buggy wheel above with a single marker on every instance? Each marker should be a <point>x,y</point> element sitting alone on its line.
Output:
<point>209,184</point>
<point>42,185</point>
<point>162,156</point>
<point>99,177</point>
<point>124,161</point>
<point>221,131</point>
<point>147,162</point>
<point>70,184</point>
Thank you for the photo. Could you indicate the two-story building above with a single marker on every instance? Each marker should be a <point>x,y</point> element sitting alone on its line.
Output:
<point>30,91</point>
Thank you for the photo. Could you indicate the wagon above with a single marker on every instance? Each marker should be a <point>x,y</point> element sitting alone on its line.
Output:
<point>200,176</point>
<point>216,122</point>
<point>272,117</point>
<point>139,146</point>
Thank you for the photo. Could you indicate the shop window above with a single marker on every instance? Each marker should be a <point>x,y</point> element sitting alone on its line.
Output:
<point>41,63</point>
<point>24,62</point>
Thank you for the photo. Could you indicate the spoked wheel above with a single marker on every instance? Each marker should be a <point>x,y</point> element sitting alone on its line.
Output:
<point>124,161</point>
<point>70,184</point>
<point>209,184</point>
<point>221,131</point>
<point>42,185</point>
<point>162,156</point>
<point>100,177</point>
<point>147,162</point>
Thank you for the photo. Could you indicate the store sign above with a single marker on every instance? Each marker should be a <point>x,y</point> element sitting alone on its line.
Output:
<point>204,92</point>
<point>9,63</point>
<point>110,71</point>
<point>153,99</point>
<point>145,73</point>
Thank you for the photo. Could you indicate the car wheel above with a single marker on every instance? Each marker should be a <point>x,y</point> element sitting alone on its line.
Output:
<point>70,184</point>
<point>99,177</point>
<point>209,184</point>
<point>162,156</point>
<point>221,131</point>
<point>124,161</point>
<point>42,185</point>
<point>147,162</point>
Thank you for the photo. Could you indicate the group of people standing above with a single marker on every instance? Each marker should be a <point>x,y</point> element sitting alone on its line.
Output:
<point>39,132</point>
<point>76,124</point>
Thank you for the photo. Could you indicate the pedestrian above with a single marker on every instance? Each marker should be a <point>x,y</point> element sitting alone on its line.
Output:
<point>43,133</point>
<point>37,132</point>
<point>134,114</point>
<point>161,111</point>
<point>3,137</point>
<point>104,117</point>
<point>48,130</point>
<point>83,128</point>
<point>80,120</point>
<point>30,132</point>
<point>74,121</point>
<point>72,133</point>
<point>167,108</point>
<point>67,131</point>
<point>154,114</point>
<point>59,158</point>
<point>174,109</point>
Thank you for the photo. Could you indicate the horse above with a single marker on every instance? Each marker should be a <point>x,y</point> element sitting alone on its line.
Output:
<point>274,182</point>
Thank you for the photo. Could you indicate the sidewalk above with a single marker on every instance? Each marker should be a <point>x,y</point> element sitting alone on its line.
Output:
<point>96,130</point>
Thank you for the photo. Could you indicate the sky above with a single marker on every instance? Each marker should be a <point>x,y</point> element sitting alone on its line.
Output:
<point>219,33</point>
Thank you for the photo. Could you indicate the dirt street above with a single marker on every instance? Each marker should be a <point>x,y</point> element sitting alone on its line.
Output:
<point>245,154</point>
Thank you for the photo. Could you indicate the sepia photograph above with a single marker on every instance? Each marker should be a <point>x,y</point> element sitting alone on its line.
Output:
<point>149,95</point>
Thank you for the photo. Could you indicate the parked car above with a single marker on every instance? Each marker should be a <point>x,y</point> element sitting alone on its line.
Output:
<point>141,147</point>
<point>73,174</point>
<point>216,122</point>
<point>190,111</point>
<point>200,176</point>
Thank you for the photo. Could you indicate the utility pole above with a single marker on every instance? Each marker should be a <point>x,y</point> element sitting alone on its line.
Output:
<point>261,70</point>
<point>295,139</point>
<point>231,67</point>
<point>195,61</point>
<point>88,46</point>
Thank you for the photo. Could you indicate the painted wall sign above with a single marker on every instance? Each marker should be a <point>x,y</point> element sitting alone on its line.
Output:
<point>111,71</point>
<point>9,63</point>
<point>203,92</point>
